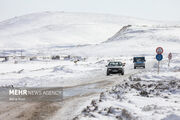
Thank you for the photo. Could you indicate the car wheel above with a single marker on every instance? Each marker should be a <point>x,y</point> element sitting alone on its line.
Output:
<point>107,74</point>
<point>122,73</point>
<point>134,67</point>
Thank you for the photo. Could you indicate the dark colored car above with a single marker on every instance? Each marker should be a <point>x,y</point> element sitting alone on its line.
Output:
<point>115,67</point>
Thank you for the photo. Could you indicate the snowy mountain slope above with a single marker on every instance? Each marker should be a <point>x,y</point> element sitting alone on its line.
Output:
<point>120,33</point>
<point>134,40</point>
<point>59,28</point>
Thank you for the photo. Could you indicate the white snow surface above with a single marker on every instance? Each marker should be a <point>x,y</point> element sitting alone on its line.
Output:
<point>61,29</point>
<point>135,40</point>
<point>129,101</point>
<point>98,38</point>
<point>48,73</point>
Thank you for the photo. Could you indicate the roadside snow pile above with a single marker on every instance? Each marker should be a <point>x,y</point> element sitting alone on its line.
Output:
<point>62,68</point>
<point>146,96</point>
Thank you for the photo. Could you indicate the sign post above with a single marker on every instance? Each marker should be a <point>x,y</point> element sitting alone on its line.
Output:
<point>159,56</point>
<point>158,66</point>
<point>169,57</point>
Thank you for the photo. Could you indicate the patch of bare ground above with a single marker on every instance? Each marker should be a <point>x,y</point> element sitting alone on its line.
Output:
<point>40,111</point>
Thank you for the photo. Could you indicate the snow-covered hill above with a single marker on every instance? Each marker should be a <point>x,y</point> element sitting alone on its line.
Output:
<point>60,28</point>
<point>134,40</point>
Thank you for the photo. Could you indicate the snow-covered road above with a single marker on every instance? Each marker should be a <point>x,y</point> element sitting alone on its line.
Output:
<point>76,95</point>
<point>84,93</point>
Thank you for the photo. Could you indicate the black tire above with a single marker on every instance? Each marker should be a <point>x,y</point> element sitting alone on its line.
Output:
<point>122,73</point>
<point>144,67</point>
<point>107,73</point>
<point>134,67</point>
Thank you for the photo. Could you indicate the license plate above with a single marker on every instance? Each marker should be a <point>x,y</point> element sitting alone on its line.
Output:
<point>115,70</point>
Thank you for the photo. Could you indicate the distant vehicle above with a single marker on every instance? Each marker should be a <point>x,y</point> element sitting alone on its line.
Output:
<point>115,67</point>
<point>139,62</point>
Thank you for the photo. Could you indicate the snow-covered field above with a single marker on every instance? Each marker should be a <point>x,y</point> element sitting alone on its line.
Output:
<point>54,73</point>
<point>47,74</point>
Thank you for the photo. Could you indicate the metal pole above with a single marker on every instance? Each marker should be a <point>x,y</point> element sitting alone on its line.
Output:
<point>169,63</point>
<point>158,66</point>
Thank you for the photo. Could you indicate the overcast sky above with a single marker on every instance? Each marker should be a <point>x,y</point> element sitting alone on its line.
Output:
<point>148,9</point>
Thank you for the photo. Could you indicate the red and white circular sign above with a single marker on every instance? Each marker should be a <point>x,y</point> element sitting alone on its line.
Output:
<point>159,50</point>
<point>170,56</point>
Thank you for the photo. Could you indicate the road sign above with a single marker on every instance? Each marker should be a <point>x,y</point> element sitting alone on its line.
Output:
<point>159,50</point>
<point>159,57</point>
<point>170,56</point>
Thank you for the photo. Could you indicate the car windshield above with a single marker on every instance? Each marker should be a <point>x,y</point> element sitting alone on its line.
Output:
<point>141,59</point>
<point>115,64</point>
